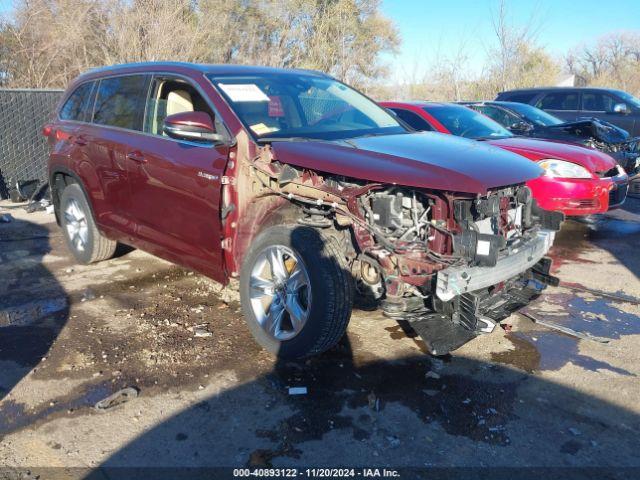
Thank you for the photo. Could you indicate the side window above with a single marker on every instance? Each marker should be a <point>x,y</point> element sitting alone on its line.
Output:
<point>120,101</point>
<point>504,118</point>
<point>522,97</point>
<point>76,106</point>
<point>597,102</point>
<point>412,119</point>
<point>169,96</point>
<point>559,101</point>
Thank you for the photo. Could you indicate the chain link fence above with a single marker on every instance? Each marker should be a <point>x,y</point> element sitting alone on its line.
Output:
<point>23,149</point>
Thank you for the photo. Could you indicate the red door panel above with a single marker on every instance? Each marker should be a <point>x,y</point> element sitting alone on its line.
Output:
<point>103,169</point>
<point>174,191</point>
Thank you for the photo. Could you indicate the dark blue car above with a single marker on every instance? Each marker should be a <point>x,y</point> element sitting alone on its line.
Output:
<point>572,103</point>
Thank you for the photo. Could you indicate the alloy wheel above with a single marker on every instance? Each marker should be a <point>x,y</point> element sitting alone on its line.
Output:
<point>280,292</point>
<point>76,224</point>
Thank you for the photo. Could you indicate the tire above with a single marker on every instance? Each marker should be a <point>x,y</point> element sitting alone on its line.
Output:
<point>83,239</point>
<point>327,296</point>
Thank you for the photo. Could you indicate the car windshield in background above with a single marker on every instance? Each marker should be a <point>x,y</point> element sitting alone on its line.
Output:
<point>627,97</point>
<point>535,115</point>
<point>303,106</point>
<point>464,122</point>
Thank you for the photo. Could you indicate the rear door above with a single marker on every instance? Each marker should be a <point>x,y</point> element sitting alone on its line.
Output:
<point>562,104</point>
<point>117,119</point>
<point>174,186</point>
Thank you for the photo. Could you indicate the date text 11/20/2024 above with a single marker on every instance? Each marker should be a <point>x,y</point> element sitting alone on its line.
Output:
<point>316,472</point>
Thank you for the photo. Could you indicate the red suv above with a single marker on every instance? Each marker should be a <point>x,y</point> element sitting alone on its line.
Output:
<point>306,191</point>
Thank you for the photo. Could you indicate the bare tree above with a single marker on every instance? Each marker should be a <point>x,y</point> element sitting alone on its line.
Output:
<point>612,60</point>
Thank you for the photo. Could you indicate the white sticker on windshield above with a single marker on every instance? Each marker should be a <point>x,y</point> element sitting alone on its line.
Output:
<point>246,92</point>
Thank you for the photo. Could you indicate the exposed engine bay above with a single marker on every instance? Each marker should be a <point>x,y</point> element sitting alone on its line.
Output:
<point>450,264</point>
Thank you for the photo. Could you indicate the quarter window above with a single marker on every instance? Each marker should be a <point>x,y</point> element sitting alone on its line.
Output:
<point>559,101</point>
<point>120,101</point>
<point>76,106</point>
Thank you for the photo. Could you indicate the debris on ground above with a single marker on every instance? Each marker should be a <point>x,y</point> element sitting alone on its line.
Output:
<point>201,332</point>
<point>6,218</point>
<point>117,398</point>
<point>297,390</point>
<point>507,327</point>
<point>38,206</point>
<point>574,431</point>
<point>88,294</point>
<point>432,374</point>
<point>562,328</point>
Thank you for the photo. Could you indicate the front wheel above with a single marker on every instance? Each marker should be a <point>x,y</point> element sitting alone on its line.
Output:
<point>296,292</point>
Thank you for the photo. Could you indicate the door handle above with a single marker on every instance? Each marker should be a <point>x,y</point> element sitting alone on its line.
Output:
<point>80,141</point>
<point>136,157</point>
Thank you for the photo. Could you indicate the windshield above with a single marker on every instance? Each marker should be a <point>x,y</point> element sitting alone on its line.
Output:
<point>464,122</point>
<point>535,115</point>
<point>627,97</point>
<point>289,105</point>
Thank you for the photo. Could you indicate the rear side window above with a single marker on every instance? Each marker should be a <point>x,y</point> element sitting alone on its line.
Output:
<point>120,102</point>
<point>413,120</point>
<point>77,105</point>
<point>559,101</point>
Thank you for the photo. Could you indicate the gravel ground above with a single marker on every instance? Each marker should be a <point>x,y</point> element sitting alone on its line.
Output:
<point>524,395</point>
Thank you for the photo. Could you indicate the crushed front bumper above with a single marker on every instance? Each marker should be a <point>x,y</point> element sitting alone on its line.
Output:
<point>460,280</point>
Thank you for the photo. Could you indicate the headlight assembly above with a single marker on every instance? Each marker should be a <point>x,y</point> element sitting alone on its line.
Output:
<point>563,169</point>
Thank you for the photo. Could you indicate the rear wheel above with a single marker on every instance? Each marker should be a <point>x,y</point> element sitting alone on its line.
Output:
<point>84,240</point>
<point>296,292</point>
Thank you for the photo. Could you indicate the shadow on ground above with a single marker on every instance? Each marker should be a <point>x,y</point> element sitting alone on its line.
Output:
<point>33,305</point>
<point>380,413</point>
<point>363,410</point>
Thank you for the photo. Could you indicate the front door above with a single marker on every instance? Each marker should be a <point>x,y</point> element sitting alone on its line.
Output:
<point>175,185</point>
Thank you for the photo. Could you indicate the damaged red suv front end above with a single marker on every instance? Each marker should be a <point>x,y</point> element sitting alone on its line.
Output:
<point>303,192</point>
<point>439,231</point>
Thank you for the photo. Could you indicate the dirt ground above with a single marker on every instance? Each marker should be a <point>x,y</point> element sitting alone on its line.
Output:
<point>524,395</point>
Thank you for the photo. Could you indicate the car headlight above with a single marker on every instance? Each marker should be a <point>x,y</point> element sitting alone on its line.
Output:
<point>562,169</point>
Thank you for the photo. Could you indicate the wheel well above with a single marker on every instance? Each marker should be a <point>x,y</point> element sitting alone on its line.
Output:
<point>59,181</point>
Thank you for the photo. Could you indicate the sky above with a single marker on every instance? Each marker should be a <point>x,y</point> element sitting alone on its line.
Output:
<point>431,26</point>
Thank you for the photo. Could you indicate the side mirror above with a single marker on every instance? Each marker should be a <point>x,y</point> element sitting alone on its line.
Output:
<point>520,127</point>
<point>192,126</point>
<point>621,108</point>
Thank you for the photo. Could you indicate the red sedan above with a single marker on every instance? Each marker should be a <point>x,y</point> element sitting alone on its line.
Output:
<point>577,180</point>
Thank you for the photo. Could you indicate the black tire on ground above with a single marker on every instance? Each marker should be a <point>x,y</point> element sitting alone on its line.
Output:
<point>97,247</point>
<point>331,286</point>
